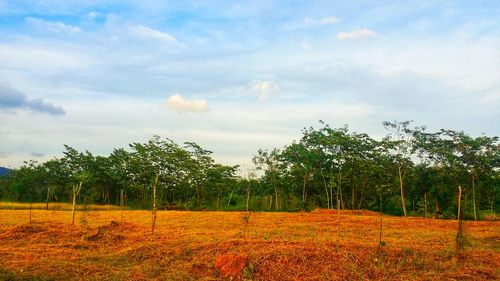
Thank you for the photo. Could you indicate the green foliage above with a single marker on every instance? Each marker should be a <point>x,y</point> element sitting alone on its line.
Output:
<point>326,166</point>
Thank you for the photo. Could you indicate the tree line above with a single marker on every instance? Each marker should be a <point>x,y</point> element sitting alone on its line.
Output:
<point>409,172</point>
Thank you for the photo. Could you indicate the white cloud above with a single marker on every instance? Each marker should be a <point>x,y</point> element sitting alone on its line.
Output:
<point>306,46</point>
<point>92,15</point>
<point>264,89</point>
<point>322,21</point>
<point>405,76</point>
<point>41,60</point>
<point>57,27</point>
<point>179,103</point>
<point>358,33</point>
<point>144,32</point>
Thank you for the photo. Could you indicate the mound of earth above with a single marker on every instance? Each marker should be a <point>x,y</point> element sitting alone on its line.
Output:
<point>46,232</point>
<point>231,265</point>
<point>115,231</point>
<point>345,212</point>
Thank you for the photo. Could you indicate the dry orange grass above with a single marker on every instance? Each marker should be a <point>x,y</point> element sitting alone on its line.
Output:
<point>56,206</point>
<point>278,246</point>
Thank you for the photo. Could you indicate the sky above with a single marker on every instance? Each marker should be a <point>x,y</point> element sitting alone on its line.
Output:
<point>236,76</point>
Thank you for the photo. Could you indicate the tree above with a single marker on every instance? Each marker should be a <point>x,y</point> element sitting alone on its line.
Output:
<point>151,165</point>
<point>57,179</point>
<point>337,143</point>
<point>269,161</point>
<point>76,165</point>
<point>400,141</point>
<point>476,156</point>
<point>324,165</point>
<point>300,160</point>
<point>199,167</point>
<point>220,179</point>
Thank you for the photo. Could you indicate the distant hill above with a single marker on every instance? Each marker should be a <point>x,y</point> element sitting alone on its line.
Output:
<point>4,171</point>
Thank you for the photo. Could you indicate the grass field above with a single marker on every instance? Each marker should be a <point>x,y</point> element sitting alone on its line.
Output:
<point>56,206</point>
<point>233,245</point>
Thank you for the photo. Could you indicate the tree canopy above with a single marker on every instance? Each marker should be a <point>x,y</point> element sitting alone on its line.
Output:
<point>410,171</point>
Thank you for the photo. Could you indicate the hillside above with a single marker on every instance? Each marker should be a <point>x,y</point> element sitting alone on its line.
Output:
<point>4,171</point>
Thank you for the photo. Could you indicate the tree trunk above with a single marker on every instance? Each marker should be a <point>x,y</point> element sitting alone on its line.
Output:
<point>143,197</point>
<point>76,191</point>
<point>459,203</point>
<point>353,192</point>
<point>326,189</point>
<point>198,196</point>
<point>248,197</point>
<point>172,196</point>
<point>153,211</point>
<point>363,187</point>
<point>402,190</point>
<point>230,197</point>
<point>491,201</point>
<point>331,192</point>
<point>304,191</point>
<point>30,209</point>
<point>276,196</point>
<point>380,229</point>
<point>339,191</point>
<point>217,203</point>
<point>438,211</point>
<point>122,201</point>
<point>331,197</point>
<point>273,182</point>
<point>459,239</point>
<point>473,178</point>
<point>342,203</point>
<point>48,197</point>
<point>338,216</point>
<point>327,198</point>
<point>425,204</point>
<point>106,198</point>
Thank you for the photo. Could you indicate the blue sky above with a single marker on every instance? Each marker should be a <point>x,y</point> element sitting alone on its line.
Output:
<point>236,76</point>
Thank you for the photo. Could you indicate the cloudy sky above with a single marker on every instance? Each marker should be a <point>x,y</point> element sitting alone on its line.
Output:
<point>236,76</point>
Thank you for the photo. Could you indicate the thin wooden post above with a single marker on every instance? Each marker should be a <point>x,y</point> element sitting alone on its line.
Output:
<point>30,208</point>
<point>402,189</point>
<point>338,215</point>
<point>338,225</point>
<point>474,196</point>
<point>459,240</point>
<point>154,206</point>
<point>248,196</point>
<point>459,201</point>
<point>48,197</point>
<point>121,204</point>
<point>76,191</point>
<point>380,230</point>
<point>425,203</point>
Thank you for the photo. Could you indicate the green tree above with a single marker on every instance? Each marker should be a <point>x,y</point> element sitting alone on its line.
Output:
<point>269,162</point>
<point>400,141</point>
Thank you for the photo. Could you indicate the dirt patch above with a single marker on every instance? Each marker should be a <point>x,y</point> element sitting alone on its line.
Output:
<point>345,212</point>
<point>490,218</point>
<point>231,265</point>
<point>48,232</point>
<point>113,232</point>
